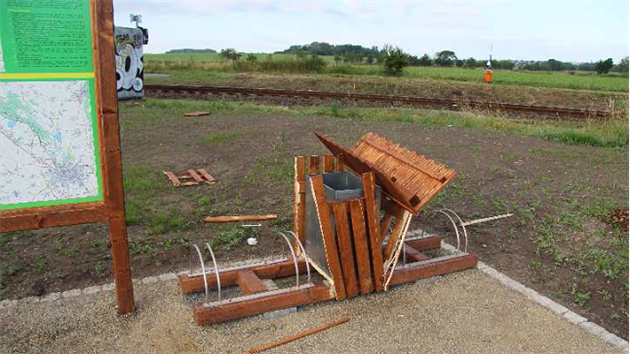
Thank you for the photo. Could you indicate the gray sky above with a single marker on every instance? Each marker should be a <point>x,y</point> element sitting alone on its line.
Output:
<point>538,30</point>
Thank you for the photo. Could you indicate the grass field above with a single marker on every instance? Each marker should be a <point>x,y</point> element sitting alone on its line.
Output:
<point>212,62</point>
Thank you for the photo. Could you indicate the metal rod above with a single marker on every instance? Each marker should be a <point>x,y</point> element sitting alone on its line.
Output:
<point>308,266</point>
<point>203,270</point>
<point>216,271</point>
<point>295,263</point>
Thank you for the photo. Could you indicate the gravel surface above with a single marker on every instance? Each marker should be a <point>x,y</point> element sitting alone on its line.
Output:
<point>466,312</point>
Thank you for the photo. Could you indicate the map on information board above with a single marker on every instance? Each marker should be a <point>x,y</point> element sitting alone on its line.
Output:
<point>48,121</point>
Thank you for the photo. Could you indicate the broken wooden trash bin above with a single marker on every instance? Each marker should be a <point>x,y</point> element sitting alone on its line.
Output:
<point>352,211</point>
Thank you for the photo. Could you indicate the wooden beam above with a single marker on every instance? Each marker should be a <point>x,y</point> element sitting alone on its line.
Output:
<point>299,194</point>
<point>374,232</point>
<point>261,303</point>
<point>340,210</point>
<point>415,271</point>
<point>229,277</point>
<point>111,161</point>
<point>413,255</point>
<point>339,165</point>
<point>425,244</point>
<point>250,283</point>
<point>361,248</point>
<point>45,217</point>
<point>330,246</point>
<point>235,218</point>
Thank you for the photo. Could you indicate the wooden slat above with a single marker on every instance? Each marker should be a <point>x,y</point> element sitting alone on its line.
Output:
<point>194,284</point>
<point>374,231</point>
<point>396,234</point>
<point>171,176</point>
<point>195,175</point>
<point>386,222</point>
<point>207,177</point>
<point>413,255</point>
<point>313,165</point>
<point>330,246</point>
<point>361,248</point>
<point>340,210</point>
<point>425,244</point>
<point>299,194</point>
<point>221,219</point>
<point>329,163</point>
<point>45,217</point>
<point>239,309</point>
<point>250,283</point>
<point>415,272</point>
<point>339,164</point>
<point>107,107</point>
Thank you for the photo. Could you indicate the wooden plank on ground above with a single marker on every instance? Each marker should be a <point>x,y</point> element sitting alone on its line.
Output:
<point>340,210</point>
<point>413,255</point>
<point>374,232</point>
<point>235,218</point>
<point>195,176</point>
<point>229,277</point>
<point>208,178</point>
<point>413,272</point>
<point>171,176</point>
<point>261,304</point>
<point>361,249</point>
<point>197,114</point>
<point>330,246</point>
<point>250,283</point>
<point>425,244</point>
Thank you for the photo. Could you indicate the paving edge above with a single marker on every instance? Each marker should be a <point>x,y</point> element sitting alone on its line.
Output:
<point>502,278</point>
<point>546,302</point>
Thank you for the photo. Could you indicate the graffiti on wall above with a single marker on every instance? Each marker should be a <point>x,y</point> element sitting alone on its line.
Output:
<point>129,62</point>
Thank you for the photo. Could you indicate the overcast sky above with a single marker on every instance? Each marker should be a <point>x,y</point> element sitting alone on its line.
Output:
<point>538,30</point>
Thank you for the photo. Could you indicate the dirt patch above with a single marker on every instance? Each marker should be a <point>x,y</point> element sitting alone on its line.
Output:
<point>557,193</point>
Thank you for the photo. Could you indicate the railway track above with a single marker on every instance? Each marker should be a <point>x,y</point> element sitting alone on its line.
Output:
<point>407,100</point>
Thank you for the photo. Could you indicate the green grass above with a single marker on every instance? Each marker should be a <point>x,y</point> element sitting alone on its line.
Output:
<point>219,138</point>
<point>231,238</point>
<point>211,64</point>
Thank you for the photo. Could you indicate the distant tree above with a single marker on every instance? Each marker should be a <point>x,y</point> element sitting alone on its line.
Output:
<point>337,59</point>
<point>623,65</point>
<point>252,58</point>
<point>459,63</point>
<point>445,58</point>
<point>604,66</point>
<point>425,60</point>
<point>470,63</point>
<point>394,60</point>
<point>555,65</point>
<point>230,54</point>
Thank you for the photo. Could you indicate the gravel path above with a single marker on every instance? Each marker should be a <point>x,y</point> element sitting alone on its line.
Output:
<point>468,312</point>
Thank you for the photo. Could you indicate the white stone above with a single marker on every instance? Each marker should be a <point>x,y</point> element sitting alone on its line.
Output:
<point>574,317</point>
<point>270,284</point>
<point>616,341</point>
<point>71,293</point>
<point>593,328</point>
<point>108,287</point>
<point>149,280</point>
<point>92,290</point>
<point>168,276</point>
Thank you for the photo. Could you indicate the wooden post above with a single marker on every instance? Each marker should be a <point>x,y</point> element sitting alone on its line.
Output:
<point>374,230</point>
<point>107,104</point>
<point>361,251</point>
<point>340,210</point>
<point>299,202</point>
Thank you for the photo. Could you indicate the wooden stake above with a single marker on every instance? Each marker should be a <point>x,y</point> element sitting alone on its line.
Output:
<point>361,248</point>
<point>240,218</point>
<point>340,211</point>
<point>299,202</point>
<point>298,336</point>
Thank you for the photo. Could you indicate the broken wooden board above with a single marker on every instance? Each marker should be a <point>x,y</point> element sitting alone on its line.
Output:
<point>192,178</point>
<point>197,114</point>
<point>236,218</point>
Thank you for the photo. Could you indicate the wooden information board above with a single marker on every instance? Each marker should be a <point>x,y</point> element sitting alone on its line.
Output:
<point>60,163</point>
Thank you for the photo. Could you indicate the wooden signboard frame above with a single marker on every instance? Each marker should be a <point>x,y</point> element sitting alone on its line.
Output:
<point>112,208</point>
